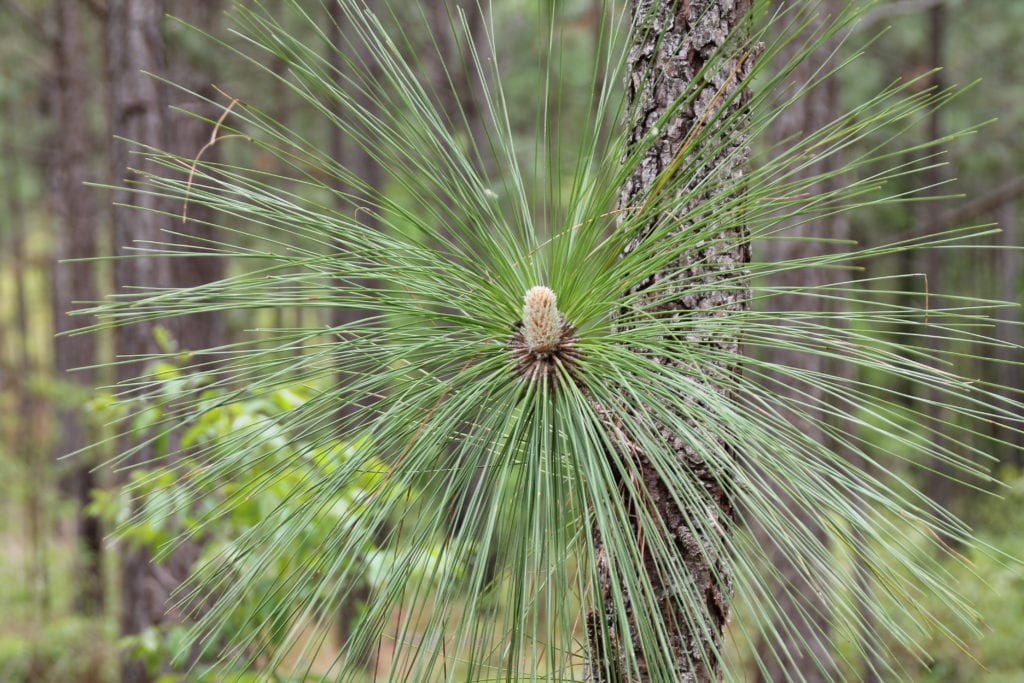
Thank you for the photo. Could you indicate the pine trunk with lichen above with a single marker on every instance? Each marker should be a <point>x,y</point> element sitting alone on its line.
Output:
<point>672,41</point>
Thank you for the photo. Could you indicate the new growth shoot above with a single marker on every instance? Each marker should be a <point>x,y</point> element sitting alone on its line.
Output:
<point>544,343</point>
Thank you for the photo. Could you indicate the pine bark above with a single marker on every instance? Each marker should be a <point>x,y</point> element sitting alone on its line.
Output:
<point>671,43</point>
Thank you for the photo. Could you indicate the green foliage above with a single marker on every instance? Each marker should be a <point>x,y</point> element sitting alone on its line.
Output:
<point>67,649</point>
<point>438,418</point>
<point>157,505</point>
<point>993,584</point>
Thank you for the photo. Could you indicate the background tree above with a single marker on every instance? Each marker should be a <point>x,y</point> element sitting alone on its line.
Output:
<point>75,241</point>
<point>28,431</point>
<point>804,640</point>
<point>139,107</point>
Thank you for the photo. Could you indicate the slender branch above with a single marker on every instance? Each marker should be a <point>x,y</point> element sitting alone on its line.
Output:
<point>984,204</point>
<point>898,8</point>
<point>987,203</point>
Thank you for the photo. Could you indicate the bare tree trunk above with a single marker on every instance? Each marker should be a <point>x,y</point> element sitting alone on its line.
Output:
<point>459,95</point>
<point>29,444</point>
<point>671,42</point>
<point>599,10</point>
<point>1008,266</point>
<point>937,483</point>
<point>351,156</point>
<point>75,239</point>
<point>358,161</point>
<point>457,87</point>
<point>802,650</point>
<point>191,136</point>
<point>139,112</point>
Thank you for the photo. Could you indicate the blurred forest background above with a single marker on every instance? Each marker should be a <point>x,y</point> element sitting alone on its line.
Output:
<point>71,87</point>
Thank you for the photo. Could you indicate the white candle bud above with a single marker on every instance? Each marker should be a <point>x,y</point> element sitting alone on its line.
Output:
<point>542,323</point>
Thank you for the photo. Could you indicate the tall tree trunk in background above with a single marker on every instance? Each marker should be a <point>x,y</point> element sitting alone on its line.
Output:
<point>75,239</point>
<point>348,154</point>
<point>139,111</point>
<point>937,484</point>
<point>599,9</point>
<point>459,94</point>
<point>191,135</point>
<point>1009,270</point>
<point>801,650</point>
<point>30,432</point>
<point>458,88</point>
<point>671,42</point>
<point>351,156</point>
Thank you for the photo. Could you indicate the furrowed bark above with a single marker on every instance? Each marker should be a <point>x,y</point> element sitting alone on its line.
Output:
<point>671,42</point>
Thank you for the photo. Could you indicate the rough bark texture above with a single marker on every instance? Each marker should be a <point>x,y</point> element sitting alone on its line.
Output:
<point>672,41</point>
<point>802,650</point>
<point>75,239</point>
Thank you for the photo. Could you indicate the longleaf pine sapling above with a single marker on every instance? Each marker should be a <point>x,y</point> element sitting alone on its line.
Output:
<point>530,489</point>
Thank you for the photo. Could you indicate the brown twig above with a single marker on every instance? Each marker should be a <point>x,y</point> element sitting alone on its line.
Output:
<point>195,162</point>
<point>1005,193</point>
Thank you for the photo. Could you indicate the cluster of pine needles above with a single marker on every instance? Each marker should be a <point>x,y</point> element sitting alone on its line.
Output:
<point>500,410</point>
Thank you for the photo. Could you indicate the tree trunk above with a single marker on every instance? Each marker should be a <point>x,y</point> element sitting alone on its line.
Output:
<point>938,483</point>
<point>355,159</point>
<point>348,154</point>
<point>30,430</point>
<point>196,73</point>
<point>671,42</point>
<point>1009,268</point>
<point>75,239</point>
<point>802,643</point>
<point>138,110</point>
<point>458,90</point>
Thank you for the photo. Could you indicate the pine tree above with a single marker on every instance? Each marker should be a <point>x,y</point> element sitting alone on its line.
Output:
<point>559,354</point>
